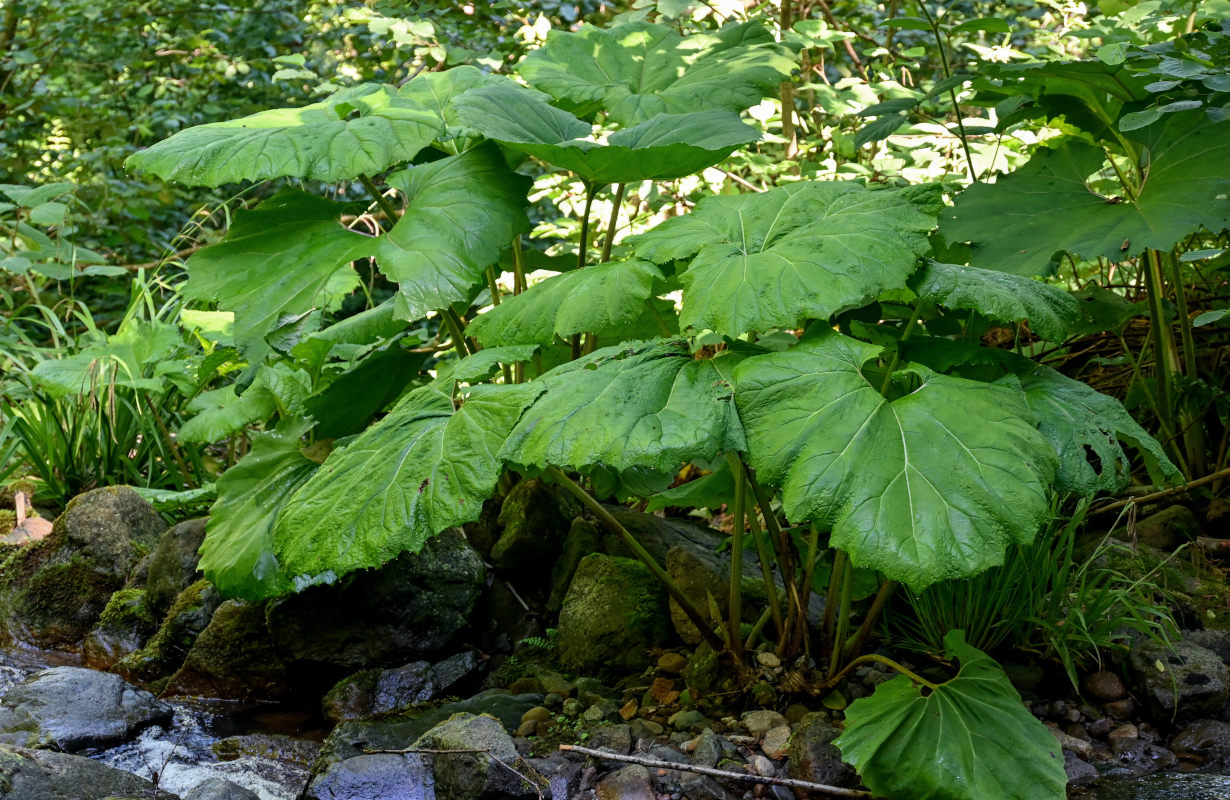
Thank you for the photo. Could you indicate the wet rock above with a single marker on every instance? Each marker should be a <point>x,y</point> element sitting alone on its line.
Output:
<point>406,610</point>
<point>584,537</point>
<point>1192,681</point>
<point>166,650</point>
<point>1104,686</point>
<point>1120,709</point>
<point>563,777</point>
<point>629,783</point>
<point>1080,772</point>
<point>1168,528</point>
<point>233,659</point>
<point>173,564</point>
<point>375,776</point>
<point>379,691</point>
<point>702,787</point>
<point>812,756</point>
<point>709,749</point>
<point>70,709</point>
<point>219,789</point>
<point>467,776</point>
<point>53,591</point>
<point>535,520</point>
<point>124,627</point>
<point>269,746</point>
<point>1206,739</point>
<point>1072,744</point>
<point>614,611</point>
<point>43,775</point>
<point>1216,640</point>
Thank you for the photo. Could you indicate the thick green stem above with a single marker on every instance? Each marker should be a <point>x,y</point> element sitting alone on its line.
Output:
<point>843,617</point>
<point>872,658</point>
<point>809,571</point>
<point>735,610</point>
<point>829,622</point>
<point>1165,357</point>
<point>583,247</point>
<point>855,646</point>
<point>612,224</point>
<point>380,199</point>
<point>765,555</point>
<point>905,337</point>
<point>1193,433</point>
<point>453,323</point>
<point>598,510</point>
<point>518,267</point>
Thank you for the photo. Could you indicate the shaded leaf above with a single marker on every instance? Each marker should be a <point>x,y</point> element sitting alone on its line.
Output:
<point>968,739</point>
<point>360,130</point>
<point>929,486</point>
<point>462,212</point>
<point>1000,296</point>
<point>707,491</point>
<point>484,363</point>
<point>128,359</point>
<point>419,470</point>
<point>237,554</point>
<point>800,251</point>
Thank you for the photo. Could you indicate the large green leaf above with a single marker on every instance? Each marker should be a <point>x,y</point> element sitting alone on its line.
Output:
<point>1076,419</point>
<point>804,250</point>
<point>436,91</point>
<point>282,258</point>
<point>360,130</point>
<point>129,358</point>
<point>597,299</point>
<point>968,739</point>
<point>1020,222</point>
<point>421,469</point>
<point>220,412</point>
<point>463,210</point>
<point>665,147</point>
<point>237,554</point>
<point>1000,296</point>
<point>929,486</point>
<point>646,405</point>
<point>640,70</point>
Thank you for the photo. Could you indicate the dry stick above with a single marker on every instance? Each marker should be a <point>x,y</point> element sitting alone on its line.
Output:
<point>1149,498</point>
<point>718,773</point>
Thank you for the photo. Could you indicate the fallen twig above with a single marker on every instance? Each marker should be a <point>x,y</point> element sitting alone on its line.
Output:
<point>719,773</point>
<point>1149,498</point>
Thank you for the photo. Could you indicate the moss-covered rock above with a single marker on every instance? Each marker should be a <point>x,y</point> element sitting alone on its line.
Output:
<point>468,776</point>
<point>124,627</point>
<point>166,650</point>
<point>535,519</point>
<point>232,659</point>
<point>615,611</point>
<point>52,592</point>
<point>173,564</point>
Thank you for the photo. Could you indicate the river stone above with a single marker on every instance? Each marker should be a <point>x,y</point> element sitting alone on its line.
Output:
<point>1168,528</point>
<point>1079,772</point>
<point>615,611</point>
<point>1194,682</point>
<point>812,756</point>
<point>173,564</point>
<point>219,789</point>
<point>125,626</point>
<point>379,691</point>
<point>409,608</point>
<point>1207,739</point>
<point>535,520</point>
<point>629,783</point>
<point>52,592</point>
<point>233,659</point>
<point>70,709</point>
<point>45,775</point>
<point>375,776</point>
<point>166,650</point>
<point>468,776</point>
<point>1104,686</point>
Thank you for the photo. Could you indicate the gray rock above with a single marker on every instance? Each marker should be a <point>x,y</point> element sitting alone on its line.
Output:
<point>709,749</point>
<point>629,783</point>
<point>375,776</point>
<point>43,775</point>
<point>616,738</point>
<point>70,709</point>
<point>233,659</point>
<point>53,592</point>
<point>1079,772</point>
<point>1216,640</point>
<point>614,612</point>
<point>468,776</point>
<point>702,787</point>
<point>812,756</point>
<point>563,776</point>
<point>1168,528</point>
<point>535,519</point>
<point>1207,739</point>
<point>173,564</point>
<point>688,719</point>
<point>219,789</point>
<point>376,691</point>
<point>761,721</point>
<point>407,609</point>
<point>602,711</point>
<point>1193,681</point>
<point>697,577</point>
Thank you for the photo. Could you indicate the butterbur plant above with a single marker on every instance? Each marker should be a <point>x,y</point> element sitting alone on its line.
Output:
<point>811,355</point>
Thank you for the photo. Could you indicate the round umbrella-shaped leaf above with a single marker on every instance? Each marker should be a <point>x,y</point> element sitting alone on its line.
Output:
<point>360,130</point>
<point>598,299</point>
<point>423,468</point>
<point>1000,296</point>
<point>463,211</point>
<point>1076,419</point>
<point>277,260</point>
<point>436,91</point>
<point>237,554</point>
<point>928,486</point>
<point>640,70</point>
<point>968,739</point>
<point>1020,222</point>
<point>648,406</point>
<point>800,251</point>
<point>665,147</point>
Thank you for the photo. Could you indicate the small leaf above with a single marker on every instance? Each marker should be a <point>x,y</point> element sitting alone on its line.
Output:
<point>988,24</point>
<point>707,491</point>
<point>969,739</point>
<point>882,128</point>
<point>907,24</point>
<point>1210,317</point>
<point>484,363</point>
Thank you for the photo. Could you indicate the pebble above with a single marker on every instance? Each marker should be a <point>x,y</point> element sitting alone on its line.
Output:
<point>685,720</point>
<point>762,766</point>
<point>1120,709</point>
<point>572,707</point>
<point>769,660</point>
<point>536,714</point>
<point>1126,731</point>
<point>1104,686</point>
<point>760,722</point>
<point>1100,727</point>
<point>672,663</point>
<point>776,742</point>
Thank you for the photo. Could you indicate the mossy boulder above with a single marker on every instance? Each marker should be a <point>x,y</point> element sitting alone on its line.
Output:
<point>52,592</point>
<point>469,776</point>
<point>614,612</point>
<point>233,659</point>
<point>173,564</point>
<point>125,626</point>
<point>535,520</point>
<point>408,609</point>
<point>166,650</point>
